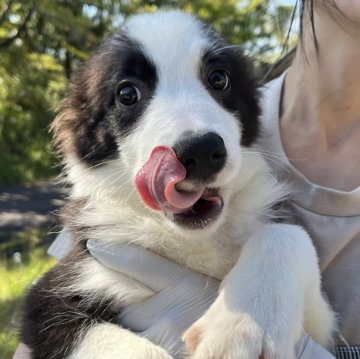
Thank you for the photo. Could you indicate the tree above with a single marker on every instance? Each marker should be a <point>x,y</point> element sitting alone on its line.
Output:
<point>41,42</point>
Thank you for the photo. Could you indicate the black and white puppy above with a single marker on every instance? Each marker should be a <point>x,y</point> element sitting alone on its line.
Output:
<point>156,133</point>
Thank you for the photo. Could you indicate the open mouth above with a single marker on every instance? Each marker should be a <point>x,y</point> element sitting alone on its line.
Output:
<point>204,211</point>
<point>158,185</point>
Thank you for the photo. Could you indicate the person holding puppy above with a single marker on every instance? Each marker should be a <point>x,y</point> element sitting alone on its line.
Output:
<point>311,117</point>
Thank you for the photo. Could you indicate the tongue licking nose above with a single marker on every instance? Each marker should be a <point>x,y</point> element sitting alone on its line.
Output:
<point>156,182</point>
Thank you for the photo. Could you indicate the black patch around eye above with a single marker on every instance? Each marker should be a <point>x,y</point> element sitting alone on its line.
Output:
<point>136,79</point>
<point>95,142</point>
<point>241,96</point>
<point>91,124</point>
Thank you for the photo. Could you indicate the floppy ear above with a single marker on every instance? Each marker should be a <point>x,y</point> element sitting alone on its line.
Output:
<point>81,128</point>
<point>90,121</point>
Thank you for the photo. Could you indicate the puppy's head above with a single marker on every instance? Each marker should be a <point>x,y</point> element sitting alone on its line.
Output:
<point>158,118</point>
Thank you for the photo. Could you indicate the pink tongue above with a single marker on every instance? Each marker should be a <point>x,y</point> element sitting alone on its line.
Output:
<point>156,182</point>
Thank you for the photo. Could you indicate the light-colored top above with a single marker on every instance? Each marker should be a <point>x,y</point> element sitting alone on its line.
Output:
<point>332,218</point>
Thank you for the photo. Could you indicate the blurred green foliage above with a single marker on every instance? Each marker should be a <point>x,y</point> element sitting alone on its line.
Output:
<point>43,41</point>
<point>17,273</point>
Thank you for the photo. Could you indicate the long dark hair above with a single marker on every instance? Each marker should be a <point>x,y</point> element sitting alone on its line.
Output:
<point>305,7</point>
<point>309,6</point>
<point>286,59</point>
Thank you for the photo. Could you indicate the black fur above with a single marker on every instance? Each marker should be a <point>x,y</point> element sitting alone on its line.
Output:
<point>91,120</point>
<point>241,97</point>
<point>53,318</point>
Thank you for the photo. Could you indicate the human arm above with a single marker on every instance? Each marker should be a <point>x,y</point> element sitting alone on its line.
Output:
<point>177,304</point>
<point>164,317</point>
<point>182,296</point>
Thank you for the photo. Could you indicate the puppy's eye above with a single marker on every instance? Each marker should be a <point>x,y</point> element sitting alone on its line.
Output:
<point>219,80</point>
<point>128,94</point>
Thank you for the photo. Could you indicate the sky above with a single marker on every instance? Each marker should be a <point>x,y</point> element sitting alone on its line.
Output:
<point>286,2</point>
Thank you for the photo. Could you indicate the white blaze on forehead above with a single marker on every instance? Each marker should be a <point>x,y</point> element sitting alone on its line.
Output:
<point>176,42</point>
<point>170,39</point>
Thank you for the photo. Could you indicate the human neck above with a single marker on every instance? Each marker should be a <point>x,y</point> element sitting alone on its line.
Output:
<point>325,86</point>
<point>320,110</point>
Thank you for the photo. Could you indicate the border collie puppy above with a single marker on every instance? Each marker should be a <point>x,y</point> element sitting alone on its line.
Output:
<point>156,133</point>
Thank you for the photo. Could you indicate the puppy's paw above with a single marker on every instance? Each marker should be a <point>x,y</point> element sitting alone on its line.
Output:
<point>223,334</point>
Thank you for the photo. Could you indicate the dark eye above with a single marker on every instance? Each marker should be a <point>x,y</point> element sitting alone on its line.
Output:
<point>219,80</point>
<point>128,94</point>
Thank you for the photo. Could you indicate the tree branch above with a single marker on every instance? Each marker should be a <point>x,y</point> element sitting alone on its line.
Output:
<point>5,12</point>
<point>20,29</point>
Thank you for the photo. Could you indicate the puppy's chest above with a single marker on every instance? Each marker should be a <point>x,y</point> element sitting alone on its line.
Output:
<point>211,256</point>
<point>214,254</point>
<point>213,263</point>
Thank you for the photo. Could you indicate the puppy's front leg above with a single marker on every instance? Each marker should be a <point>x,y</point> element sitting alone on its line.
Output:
<point>262,305</point>
<point>109,341</point>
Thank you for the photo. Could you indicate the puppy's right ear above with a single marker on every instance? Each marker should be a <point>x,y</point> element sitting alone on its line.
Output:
<point>81,128</point>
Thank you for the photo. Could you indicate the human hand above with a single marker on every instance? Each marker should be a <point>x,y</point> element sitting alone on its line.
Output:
<point>182,296</point>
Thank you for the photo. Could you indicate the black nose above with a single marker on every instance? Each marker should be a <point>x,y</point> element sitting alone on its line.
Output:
<point>203,155</point>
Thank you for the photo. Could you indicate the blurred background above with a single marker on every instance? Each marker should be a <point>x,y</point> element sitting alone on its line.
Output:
<point>42,42</point>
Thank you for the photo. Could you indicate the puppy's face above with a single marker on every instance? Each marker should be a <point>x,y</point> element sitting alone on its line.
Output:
<point>160,115</point>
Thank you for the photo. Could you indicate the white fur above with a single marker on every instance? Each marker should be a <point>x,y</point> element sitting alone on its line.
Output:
<point>275,284</point>
<point>99,281</point>
<point>278,268</point>
<point>110,341</point>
